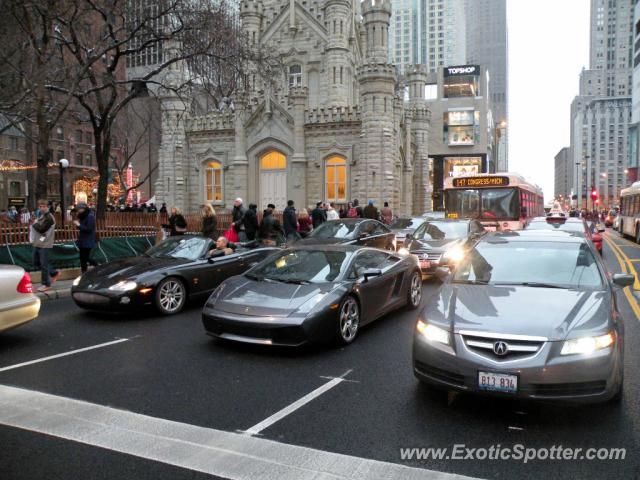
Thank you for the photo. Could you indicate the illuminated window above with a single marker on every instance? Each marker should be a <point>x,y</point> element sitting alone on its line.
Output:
<point>273,161</point>
<point>213,182</point>
<point>336,179</point>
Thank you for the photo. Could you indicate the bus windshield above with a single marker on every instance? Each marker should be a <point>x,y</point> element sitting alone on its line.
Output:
<point>483,204</point>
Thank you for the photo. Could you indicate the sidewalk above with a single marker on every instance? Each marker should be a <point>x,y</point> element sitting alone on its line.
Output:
<point>60,289</point>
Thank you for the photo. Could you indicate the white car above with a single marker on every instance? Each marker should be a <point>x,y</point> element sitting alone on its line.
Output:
<point>18,304</point>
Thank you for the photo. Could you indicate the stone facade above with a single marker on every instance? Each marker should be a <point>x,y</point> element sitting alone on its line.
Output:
<point>332,127</point>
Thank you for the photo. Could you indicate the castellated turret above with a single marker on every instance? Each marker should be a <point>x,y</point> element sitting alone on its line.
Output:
<point>417,79</point>
<point>337,14</point>
<point>251,15</point>
<point>376,17</point>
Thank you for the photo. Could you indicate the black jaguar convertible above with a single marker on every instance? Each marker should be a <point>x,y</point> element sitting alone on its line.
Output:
<point>165,276</point>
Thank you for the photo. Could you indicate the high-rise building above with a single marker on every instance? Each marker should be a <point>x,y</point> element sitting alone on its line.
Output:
<point>427,32</point>
<point>634,129</point>
<point>601,113</point>
<point>487,45</point>
<point>562,171</point>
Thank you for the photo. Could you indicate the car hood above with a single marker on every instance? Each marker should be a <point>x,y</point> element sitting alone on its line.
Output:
<point>520,310</point>
<point>324,241</point>
<point>244,296</point>
<point>435,245</point>
<point>402,232</point>
<point>132,268</point>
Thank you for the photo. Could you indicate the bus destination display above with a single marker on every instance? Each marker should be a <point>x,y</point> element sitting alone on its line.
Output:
<point>492,181</point>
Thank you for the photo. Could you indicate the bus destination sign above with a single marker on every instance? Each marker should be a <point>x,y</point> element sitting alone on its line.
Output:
<point>466,182</point>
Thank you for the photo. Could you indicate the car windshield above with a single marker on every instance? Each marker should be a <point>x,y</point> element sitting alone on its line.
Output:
<point>577,227</point>
<point>557,264</point>
<point>400,223</point>
<point>441,231</point>
<point>301,266</point>
<point>485,203</point>
<point>336,229</point>
<point>180,247</point>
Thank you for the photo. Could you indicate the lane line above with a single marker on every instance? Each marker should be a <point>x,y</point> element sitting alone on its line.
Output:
<point>223,454</point>
<point>65,354</point>
<point>289,409</point>
<point>627,260</point>
<point>627,291</point>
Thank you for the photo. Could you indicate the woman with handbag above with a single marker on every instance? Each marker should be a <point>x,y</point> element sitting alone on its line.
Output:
<point>177,224</point>
<point>209,222</point>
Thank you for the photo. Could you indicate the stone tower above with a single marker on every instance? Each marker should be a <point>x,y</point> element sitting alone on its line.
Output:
<point>251,17</point>
<point>374,173</point>
<point>337,14</point>
<point>419,116</point>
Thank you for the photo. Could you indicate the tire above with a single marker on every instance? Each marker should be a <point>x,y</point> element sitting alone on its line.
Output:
<point>348,321</point>
<point>171,296</point>
<point>414,296</point>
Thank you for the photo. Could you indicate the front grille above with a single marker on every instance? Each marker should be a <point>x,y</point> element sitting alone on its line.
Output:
<point>569,389</point>
<point>91,298</point>
<point>516,349</point>
<point>439,374</point>
<point>431,256</point>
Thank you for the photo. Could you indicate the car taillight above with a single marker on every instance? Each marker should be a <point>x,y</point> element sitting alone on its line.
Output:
<point>25,285</point>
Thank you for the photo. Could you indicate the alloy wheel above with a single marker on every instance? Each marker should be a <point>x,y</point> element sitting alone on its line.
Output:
<point>171,296</point>
<point>415,290</point>
<point>349,320</point>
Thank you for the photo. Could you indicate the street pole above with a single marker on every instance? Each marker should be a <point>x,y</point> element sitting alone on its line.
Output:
<point>63,163</point>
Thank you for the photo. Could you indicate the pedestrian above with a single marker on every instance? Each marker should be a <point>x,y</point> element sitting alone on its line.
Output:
<point>332,214</point>
<point>42,236</point>
<point>163,208</point>
<point>25,216</point>
<point>318,215</point>
<point>386,214</point>
<point>86,223</point>
<point>270,228</point>
<point>342,213</point>
<point>251,222</point>
<point>290,222</point>
<point>177,224</point>
<point>13,214</point>
<point>356,205</point>
<point>304,223</point>
<point>237,214</point>
<point>209,222</point>
<point>371,211</point>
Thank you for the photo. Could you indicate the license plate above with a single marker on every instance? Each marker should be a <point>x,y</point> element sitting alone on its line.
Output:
<point>425,263</point>
<point>498,382</point>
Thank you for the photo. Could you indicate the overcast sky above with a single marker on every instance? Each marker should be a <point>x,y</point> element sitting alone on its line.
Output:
<point>548,46</point>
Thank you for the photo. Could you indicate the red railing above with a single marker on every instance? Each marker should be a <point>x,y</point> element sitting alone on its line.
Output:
<point>115,224</point>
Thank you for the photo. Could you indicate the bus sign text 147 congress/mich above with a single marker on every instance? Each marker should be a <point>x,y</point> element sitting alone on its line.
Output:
<point>463,182</point>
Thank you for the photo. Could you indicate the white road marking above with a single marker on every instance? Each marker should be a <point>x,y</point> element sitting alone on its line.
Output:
<point>71,352</point>
<point>215,452</point>
<point>289,409</point>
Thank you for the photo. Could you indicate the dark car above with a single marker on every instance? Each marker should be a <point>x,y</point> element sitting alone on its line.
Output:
<point>529,314</point>
<point>404,225</point>
<point>312,294</point>
<point>570,224</point>
<point>442,242</point>
<point>352,231</point>
<point>166,276</point>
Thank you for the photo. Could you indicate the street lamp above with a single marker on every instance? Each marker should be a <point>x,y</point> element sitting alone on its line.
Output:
<point>63,164</point>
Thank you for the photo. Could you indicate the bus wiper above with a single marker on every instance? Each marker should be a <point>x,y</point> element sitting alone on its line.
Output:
<point>471,282</point>
<point>534,284</point>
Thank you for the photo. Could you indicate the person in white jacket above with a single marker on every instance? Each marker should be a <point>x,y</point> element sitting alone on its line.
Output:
<point>332,213</point>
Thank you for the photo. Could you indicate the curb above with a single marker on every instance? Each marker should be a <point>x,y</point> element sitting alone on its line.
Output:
<point>54,294</point>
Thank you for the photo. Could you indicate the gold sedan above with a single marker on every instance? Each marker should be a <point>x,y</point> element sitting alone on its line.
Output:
<point>18,304</point>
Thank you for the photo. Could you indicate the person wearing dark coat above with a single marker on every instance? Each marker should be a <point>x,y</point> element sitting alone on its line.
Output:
<point>163,208</point>
<point>237,214</point>
<point>86,223</point>
<point>209,222</point>
<point>290,222</point>
<point>270,228</point>
<point>356,205</point>
<point>318,215</point>
<point>371,211</point>
<point>251,221</point>
<point>177,224</point>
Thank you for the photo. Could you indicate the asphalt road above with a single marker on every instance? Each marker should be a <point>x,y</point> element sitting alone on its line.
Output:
<point>167,368</point>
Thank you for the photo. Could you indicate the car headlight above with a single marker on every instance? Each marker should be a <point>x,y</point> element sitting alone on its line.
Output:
<point>123,286</point>
<point>404,251</point>
<point>454,255</point>
<point>216,294</point>
<point>587,345</point>
<point>76,282</point>
<point>433,333</point>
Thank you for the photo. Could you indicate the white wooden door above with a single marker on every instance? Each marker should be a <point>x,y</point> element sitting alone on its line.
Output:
<point>273,188</point>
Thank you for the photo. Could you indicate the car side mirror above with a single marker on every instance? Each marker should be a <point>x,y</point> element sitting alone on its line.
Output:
<point>371,272</point>
<point>442,273</point>
<point>623,279</point>
<point>408,236</point>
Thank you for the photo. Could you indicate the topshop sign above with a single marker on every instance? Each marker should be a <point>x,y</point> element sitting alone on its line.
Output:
<point>462,70</point>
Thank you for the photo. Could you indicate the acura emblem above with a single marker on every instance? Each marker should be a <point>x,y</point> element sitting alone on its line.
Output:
<point>500,348</point>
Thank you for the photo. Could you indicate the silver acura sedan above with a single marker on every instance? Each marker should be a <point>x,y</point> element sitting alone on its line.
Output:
<point>525,314</point>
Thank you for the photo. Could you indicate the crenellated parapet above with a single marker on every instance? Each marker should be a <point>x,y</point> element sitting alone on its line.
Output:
<point>420,114</point>
<point>376,16</point>
<point>331,115</point>
<point>210,122</point>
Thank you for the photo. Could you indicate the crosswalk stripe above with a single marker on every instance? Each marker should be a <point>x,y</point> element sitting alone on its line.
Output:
<point>225,454</point>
